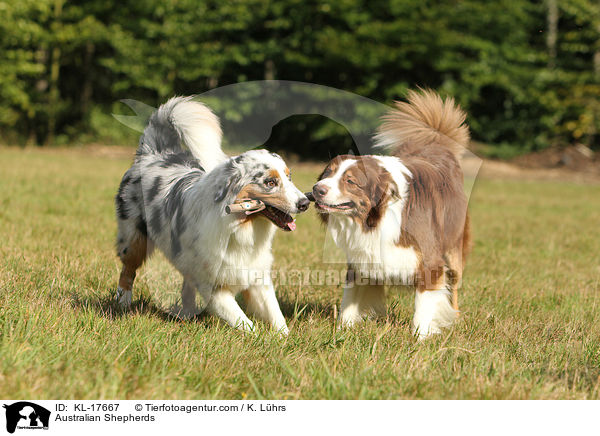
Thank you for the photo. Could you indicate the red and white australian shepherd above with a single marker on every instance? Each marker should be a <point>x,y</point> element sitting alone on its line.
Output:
<point>402,218</point>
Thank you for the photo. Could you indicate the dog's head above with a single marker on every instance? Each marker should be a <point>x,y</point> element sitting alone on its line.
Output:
<point>356,186</point>
<point>261,175</point>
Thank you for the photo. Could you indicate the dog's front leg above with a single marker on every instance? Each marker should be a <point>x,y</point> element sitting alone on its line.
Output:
<point>262,303</point>
<point>350,310</point>
<point>188,308</point>
<point>360,301</point>
<point>222,304</point>
<point>433,307</point>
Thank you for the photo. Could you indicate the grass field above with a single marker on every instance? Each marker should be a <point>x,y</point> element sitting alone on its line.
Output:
<point>530,325</point>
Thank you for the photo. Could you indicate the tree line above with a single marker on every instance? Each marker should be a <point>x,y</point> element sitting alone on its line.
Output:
<point>527,72</point>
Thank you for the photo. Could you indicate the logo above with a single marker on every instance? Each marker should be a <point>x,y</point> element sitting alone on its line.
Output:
<point>26,415</point>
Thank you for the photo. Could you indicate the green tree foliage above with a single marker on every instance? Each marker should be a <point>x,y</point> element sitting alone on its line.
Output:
<point>528,72</point>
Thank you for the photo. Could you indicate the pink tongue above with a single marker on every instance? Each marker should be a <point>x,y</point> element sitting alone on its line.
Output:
<point>292,225</point>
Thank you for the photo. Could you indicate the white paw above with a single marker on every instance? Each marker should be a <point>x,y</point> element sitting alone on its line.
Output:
<point>424,332</point>
<point>433,312</point>
<point>283,331</point>
<point>124,298</point>
<point>349,319</point>
<point>245,326</point>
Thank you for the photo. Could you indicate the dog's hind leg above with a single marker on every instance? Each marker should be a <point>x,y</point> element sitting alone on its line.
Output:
<point>222,304</point>
<point>454,261</point>
<point>133,251</point>
<point>433,306</point>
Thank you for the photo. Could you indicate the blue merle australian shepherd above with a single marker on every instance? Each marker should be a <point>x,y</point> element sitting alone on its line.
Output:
<point>175,199</point>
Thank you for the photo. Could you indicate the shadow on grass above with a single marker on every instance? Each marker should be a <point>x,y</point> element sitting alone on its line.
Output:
<point>294,311</point>
<point>301,310</point>
<point>106,306</point>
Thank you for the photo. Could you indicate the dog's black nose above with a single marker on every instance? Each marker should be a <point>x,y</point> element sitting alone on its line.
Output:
<point>302,205</point>
<point>320,190</point>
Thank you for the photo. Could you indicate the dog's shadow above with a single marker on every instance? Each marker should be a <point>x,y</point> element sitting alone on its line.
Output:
<point>295,310</point>
<point>107,307</point>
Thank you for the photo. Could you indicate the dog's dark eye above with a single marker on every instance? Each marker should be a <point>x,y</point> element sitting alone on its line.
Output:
<point>270,183</point>
<point>351,182</point>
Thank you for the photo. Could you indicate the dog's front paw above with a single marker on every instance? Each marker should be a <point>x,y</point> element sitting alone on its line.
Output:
<point>245,326</point>
<point>347,323</point>
<point>124,298</point>
<point>349,319</point>
<point>283,331</point>
<point>424,331</point>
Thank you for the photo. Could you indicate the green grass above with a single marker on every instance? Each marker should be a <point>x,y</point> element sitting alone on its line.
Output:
<point>530,324</point>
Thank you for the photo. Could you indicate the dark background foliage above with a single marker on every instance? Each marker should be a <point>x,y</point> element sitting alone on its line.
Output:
<point>527,72</point>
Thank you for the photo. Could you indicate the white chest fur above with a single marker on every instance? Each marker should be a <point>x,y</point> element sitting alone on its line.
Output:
<point>375,253</point>
<point>247,257</point>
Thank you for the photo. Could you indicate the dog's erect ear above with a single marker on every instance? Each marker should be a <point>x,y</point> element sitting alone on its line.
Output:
<point>231,177</point>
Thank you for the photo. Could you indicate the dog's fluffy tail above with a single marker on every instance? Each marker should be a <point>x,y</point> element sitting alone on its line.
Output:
<point>183,120</point>
<point>424,119</point>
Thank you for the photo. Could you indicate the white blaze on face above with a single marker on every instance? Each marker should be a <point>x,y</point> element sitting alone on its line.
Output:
<point>334,195</point>
<point>291,193</point>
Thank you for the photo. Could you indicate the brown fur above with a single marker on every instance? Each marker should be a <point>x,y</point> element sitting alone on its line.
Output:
<point>370,191</point>
<point>424,120</point>
<point>274,174</point>
<point>427,134</point>
<point>435,214</point>
<point>330,169</point>
<point>133,258</point>
<point>276,199</point>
